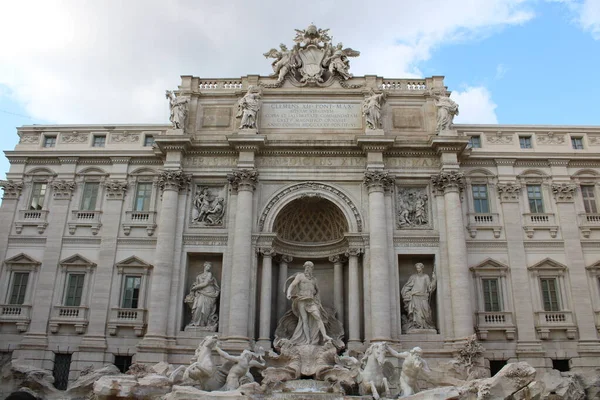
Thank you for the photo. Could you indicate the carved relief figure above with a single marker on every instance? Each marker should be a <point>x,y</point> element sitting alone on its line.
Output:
<point>285,62</point>
<point>208,208</point>
<point>178,110</point>
<point>447,109</point>
<point>372,109</point>
<point>248,107</point>
<point>202,299</point>
<point>337,60</point>
<point>413,366</point>
<point>416,294</point>
<point>239,373</point>
<point>412,207</point>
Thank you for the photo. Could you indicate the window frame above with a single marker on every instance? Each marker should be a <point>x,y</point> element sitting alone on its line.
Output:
<point>124,291</point>
<point>49,138</point>
<point>76,264</point>
<point>593,201</point>
<point>530,142</point>
<point>550,301</point>
<point>478,201</point>
<point>84,186</point>
<point>149,136</point>
<point>577,143</point>
<point>540,199</point>
<point>32,194</point>
<point>97,136</point>
<point>20,263</point>
<point>550,269</point>
<point>471,141</point>
<point>492,269</point>
<point>131,266</point>
<point>151,197</point>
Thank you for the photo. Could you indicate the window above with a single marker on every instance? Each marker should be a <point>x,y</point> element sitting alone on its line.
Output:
<point>534,194</point>
<point>480,199</point>
<point>49,141</point>
<point>74,290</point>
<point>491,295</point>
<point>131,291</point>
<point>143,193</point>
<point>496,366</point>
<point>62,366</point>
<point>550,294</point>
<point>18,288</point>
<point>475,142</point>
<point>90,195</point>
<point>577,143</point>
<point>561,365</point>
<point>123,363</point>
<point>589,199</point>
<point>98,141</point>
<point>148,140</point>
<point>525,142</point>
<point>38,192</point>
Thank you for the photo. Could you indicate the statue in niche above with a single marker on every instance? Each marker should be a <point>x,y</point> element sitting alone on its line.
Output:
<point>371,108</point>
<point>416,294</point>
<point>208,208</point>
<point>447,109</point>
<point>337,60</point>
<point>285,62</point>
<point>248,107</point>
<point>308,322</point>
<point>239,373</point>
<point>178,110</point>
<point>412,208</point>
<point>202,300</point>
<point>412,367</point>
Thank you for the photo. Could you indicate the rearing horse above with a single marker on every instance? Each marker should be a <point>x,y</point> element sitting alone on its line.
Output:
<point>371,376</point>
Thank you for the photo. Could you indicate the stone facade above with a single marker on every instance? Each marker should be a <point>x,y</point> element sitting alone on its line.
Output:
<point>101,244</point>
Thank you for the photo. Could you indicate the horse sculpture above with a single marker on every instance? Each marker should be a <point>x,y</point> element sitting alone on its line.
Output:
<point>372,375</point>
<point>202,369</point>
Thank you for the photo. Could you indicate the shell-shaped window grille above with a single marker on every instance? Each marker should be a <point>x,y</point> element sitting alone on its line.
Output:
<point>311,220</point>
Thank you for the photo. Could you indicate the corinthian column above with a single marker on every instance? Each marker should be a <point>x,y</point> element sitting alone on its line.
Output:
<point>376,181</point>
<point>338,286</point>
<point>170,182</point>
<point>283,275</point>
<point>244,182</point>
<point>264,334</point>
<point>353,298</point>
<point>451,183</point>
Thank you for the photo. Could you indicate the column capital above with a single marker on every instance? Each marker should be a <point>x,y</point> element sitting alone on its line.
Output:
<point>243,179</point>
<point>285,259</point>
<point>267,251</point>
<point>448,181</point>
<point>12,189</point>
<point>508,191</point>
<point>378,180</point>
<point>353,252</point>
<point>563,192</point>
<point>115,190</point>
<point>175,180</point>
<point>63,189</point>
<point>338,258</point>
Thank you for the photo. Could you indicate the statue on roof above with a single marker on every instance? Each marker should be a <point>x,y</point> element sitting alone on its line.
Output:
<point>248,107</point>
<point>447,109</point>
<point>337,60</point>
<point>178,110</point>
<point>284,63</point>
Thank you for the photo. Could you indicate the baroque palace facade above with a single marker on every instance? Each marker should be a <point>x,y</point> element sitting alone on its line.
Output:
<point>129,243</point>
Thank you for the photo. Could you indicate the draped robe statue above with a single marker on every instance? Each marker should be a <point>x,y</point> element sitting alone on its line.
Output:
<point>203,299</point>
<point>416,295</point>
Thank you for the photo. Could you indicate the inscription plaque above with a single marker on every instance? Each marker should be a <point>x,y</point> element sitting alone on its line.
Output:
<point>311,116</point>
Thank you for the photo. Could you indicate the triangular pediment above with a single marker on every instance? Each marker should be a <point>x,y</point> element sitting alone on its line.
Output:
<point>594,267</point>
<point>22,259</point>
<point>547,264</point>
<point>489,264</point>
<point>77,260</point>
<point>133,262</point>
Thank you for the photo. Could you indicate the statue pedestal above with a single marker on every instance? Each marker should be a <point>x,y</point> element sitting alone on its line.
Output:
<point>374,132</point>
<point>415,331</point>
<point>200,331</point>
<point>248,131</point>
<point>174,132</point>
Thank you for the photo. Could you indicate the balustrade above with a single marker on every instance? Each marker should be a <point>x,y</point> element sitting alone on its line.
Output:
<point>487,221</point>
<point>76,316</point>
<point>495,321</point>
<point>37,218</point>
<point>547,321</point>
<point>134,318</point>
<point>219,84</point>
<point>540,221</point>
<point>140,219</point>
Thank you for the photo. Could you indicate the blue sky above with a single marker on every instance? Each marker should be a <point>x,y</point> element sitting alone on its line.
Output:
<point>506,61</point>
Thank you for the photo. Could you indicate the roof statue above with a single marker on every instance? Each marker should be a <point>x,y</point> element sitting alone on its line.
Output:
<point>314,60</point>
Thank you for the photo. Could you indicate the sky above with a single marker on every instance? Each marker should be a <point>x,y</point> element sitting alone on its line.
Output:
<point>110,61</point>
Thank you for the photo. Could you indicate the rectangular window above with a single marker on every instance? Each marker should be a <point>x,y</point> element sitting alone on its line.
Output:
<point>18,288</point>
<point>577,143</point>
<point>589,199</point>
<point>90,195</point>
<point>74,290</point>
<point>143,193</point>
<point>49,141</point>
<point>38,192</point>
<point>148,140</point>
<point>491,295</point>
<point>123,363</point>
<point>525,142</point>
<point>475,142</point>
<point>534,194</point>
<point>98,141</point>
<point>480,199</point>
<point>550,294</point>
<point>62,366</point>
<point>131,291</point>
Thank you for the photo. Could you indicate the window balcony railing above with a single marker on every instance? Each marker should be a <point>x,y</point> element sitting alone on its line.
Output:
<point>546,321</point>
<point>484,221</point>
<point>134,318</point>
<point>540,221</point>
<point>597,312</point>
<point>587,223</point>
<point>89,219</point>
<point>37,218</point>
<point>140,219</point>
<point>18,314</point>
<point>495,321</point>
<point>69,315</point>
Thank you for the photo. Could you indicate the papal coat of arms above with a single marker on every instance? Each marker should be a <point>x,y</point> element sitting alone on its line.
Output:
<point>313,60</point>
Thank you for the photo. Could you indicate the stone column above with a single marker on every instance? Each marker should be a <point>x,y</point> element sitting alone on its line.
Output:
<point>338,286</point>
<point>353,298</point>
<point>376,181</point>
<point>264,334</point>
<point>244,182</point>
<point>171,182</point>
<point>283,275</point>
<point>452,182</point>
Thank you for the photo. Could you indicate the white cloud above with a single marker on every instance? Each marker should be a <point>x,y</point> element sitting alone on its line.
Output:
<point>79,61</point>
<point>475,106</point>
<point>587,14</point>
<point>501,70</point>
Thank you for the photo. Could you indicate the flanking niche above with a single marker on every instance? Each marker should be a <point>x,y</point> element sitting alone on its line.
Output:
<point>418,294</point>
<point>202,292</point>
<point>412,208</point>
<point>208,207</point>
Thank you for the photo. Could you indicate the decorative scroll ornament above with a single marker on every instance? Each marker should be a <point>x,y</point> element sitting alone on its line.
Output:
<point>378,179</point>
<point>12,189</point>
<point>115,189</point>
<point>550,138</point>
<point>63,189</point>
<point>499,138</point>
<point>173,180</point>
<point>509,191</point>
<point>209,208</point>
<point>74,137</point>
<point>29,138</point>
<point>178,110</point>
<point>125,137</point>
<point>563,192</point>
<point>448,180</point>
<point>243,179</point>
<point>313,60</point>
<point>413,208</point>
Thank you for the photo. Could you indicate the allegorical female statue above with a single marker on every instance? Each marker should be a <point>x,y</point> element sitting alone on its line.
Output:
<point>447,109</point>
<point>202,299</point>
<point>178,110</point>
<point>416,294</point>
<point>372,109</point>
<point>248,107</point>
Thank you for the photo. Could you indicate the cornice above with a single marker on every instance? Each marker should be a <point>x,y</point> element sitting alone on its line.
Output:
<point>590,244</point>
<point>416,241</point>
<point>26,240</point>
<point>312,153</point>
<point>544,244</point>
<point>486,244</point>
<point>151,242</point>
<point>205,240</point>
<point>82,240</point>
